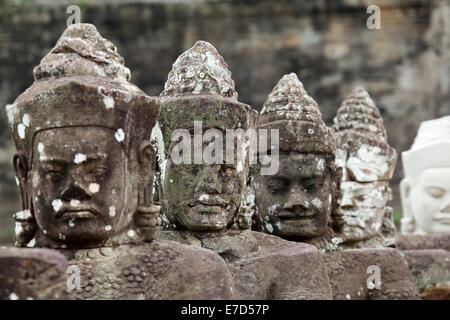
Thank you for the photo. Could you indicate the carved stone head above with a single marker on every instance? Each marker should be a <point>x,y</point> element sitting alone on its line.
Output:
<point>298,201</point>
<point>203,167</point>
<point>425,190</point>
<point>84,161</point>
<point>368,163</point>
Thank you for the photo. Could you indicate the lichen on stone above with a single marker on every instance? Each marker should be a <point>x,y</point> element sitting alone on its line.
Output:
<point>81,50</point>
<point>200,70</point>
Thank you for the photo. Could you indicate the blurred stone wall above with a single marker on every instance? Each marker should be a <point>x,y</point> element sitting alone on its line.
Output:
<point>405,66</point>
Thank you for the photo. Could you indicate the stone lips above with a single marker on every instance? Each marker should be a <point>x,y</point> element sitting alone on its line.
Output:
<point>212,111</point>
<point>81,50</point>
<point>359,126</point>
<point>296,115</point>
<point>200,70</point>
<point>81,101</point>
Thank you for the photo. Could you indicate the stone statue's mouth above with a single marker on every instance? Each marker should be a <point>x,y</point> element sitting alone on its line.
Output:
<point>442,218</point>
<point>209,200</point>
<point>208,209</point>
<point>295,215</point>
<point>83,213</point>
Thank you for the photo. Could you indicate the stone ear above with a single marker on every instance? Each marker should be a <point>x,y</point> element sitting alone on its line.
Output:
<point>405,190</point>
<point>147,160</point>
<point>20,164</point>
<point>407,222</point>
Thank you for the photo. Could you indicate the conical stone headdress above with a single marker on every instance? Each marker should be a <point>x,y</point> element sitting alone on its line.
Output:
<point>291,110</point>
<point>201,82</point>
<point>82,82</point>
<point>363,149</point>
<point>433,137</point>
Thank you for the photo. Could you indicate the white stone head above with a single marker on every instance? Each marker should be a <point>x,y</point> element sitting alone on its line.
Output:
<point>368,163</point>
<point>425,190</point>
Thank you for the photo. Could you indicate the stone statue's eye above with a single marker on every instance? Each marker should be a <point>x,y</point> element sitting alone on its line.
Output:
<point>435,192</point>
<point>54,174</point>
<point>312,187</point>
<point>278,186</point>
<point>97,171</point>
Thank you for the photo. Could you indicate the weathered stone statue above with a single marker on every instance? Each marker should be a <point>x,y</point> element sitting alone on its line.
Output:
<point>425,195</point>
<point>301,201</point>
<point>368,163</point>
<point>202,193</point>
<point>425,190</point>
<point>85,169</point>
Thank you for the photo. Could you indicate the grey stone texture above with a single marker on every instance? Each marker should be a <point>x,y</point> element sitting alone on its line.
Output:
<point>405,65</point>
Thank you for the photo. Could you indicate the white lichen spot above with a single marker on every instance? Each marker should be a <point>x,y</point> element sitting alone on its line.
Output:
<point>239,167</point>
<point>316,202</point>
<point>11,111</point>
<point>40,147</point>
<point>109,102</point>
<point>62,236</point>
<point>71,223</point>
<point>112,211</point>
<point>120,135</point>
<point>13,296</point>
<point>18,229</point>
<point>269,228</point>
<point>273,208</point>
<point>26,120</point>
<point>32,243</point>
<point>203,197</point>
<point>21,130</point>
<point>347,297</point>
<point>74,202</point>
<point>79,158</point>
<point>57,204</point>
<point>278,225</point>
<point>108,228</point>
<point>131,233</point>
<point>94,187</point>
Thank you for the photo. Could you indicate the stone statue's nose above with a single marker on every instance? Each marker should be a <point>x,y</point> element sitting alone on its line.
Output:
<point>296,201</point>
<point>347,200</point>
<point>74,192</point>
<point>446,209</point>
<point>210,183</point>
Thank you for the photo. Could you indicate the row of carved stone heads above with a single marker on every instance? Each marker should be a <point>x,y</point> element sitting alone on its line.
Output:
<point>307,220</point>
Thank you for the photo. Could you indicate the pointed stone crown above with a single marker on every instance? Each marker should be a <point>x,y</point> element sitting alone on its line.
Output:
<point>200,88</point>
<point>430,148</point>
<point>82,81</point>
<point>362,139</point>
<point>290,109</point>
<point>81,50</point>
<point>200,70</point>
<point>359,112</point>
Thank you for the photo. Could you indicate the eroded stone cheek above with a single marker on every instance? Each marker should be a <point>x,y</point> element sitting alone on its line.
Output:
<point>35,179</point>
